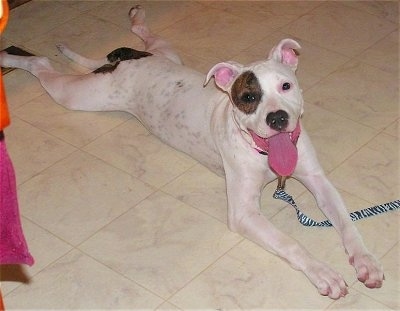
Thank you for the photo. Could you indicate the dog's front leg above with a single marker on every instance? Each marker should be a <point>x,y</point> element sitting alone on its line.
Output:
<point>309,172</point>
<point>245,217</point>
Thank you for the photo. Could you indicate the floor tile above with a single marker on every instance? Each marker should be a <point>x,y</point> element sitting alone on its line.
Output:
<point>47,16</point>
<point>202,189</point>
<point>268,15</point>
<point>161,244</point>
<point>72,283</point>
<point>78,196</point>
<point>248,277</point>
<point>316,62</point>
<point>159,14</point>
<point>133,149</point>
<point>83,6</point>
<point>4,43</point>
<point>372,172</point>
<point>330,135</point>
<point>75,127</point>
<point>215,31</point>
<point>33,150</point>
<point>367,94</point>
<point>198,63</point>
<point>384,54</point>
<point>21,87</point>
<point>167,306</point>
<point>260,49</point>
<point>341,29</point>
<point>385,9</point>
<point>393,129</point>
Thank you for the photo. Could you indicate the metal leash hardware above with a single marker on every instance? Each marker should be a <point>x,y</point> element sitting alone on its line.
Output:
<point>281,183</point>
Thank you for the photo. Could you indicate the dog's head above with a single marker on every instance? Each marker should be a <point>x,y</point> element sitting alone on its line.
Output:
<point>265,95</point>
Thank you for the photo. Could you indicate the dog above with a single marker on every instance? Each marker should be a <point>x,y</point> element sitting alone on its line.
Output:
<point>246,126</point>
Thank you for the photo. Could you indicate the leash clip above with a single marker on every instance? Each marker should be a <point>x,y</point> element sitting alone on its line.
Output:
<point>281,182</point>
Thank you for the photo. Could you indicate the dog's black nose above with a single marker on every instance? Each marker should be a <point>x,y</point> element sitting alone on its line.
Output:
<point>278,120</point>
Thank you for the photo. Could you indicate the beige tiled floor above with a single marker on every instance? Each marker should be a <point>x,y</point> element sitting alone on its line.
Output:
<point>117,220</point>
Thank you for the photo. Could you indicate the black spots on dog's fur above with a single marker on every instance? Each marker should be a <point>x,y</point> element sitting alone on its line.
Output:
<point>179,83</point>
<point>119,55</point>
<point>246,92</point>
<point>122,54</point>
<point>107,68</point>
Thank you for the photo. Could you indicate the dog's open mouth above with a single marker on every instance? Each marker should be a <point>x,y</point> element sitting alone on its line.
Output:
<point>281,149</point>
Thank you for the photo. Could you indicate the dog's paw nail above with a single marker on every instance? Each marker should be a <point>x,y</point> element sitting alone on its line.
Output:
<point>134,9</point>
<point>60,46</point>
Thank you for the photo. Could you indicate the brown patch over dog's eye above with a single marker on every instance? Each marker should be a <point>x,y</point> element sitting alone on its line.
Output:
<point>246,92</point>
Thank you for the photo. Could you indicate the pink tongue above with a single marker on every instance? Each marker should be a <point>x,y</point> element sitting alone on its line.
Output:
<point>282,154</point>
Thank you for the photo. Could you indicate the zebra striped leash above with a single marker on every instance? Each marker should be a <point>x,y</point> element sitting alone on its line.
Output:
<point>281,194</point>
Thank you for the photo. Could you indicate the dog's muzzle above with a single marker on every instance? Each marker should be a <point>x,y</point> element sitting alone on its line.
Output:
<point>281,150</point>
<point>278,120</point>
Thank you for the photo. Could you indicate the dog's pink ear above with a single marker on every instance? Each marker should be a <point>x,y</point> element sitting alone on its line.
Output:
<point>224,74</point>
<point>285,52</point>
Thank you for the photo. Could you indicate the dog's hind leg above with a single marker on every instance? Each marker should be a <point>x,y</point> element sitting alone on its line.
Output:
<point>153,43</point>
<point>81,60</point>
<point>76,92</point>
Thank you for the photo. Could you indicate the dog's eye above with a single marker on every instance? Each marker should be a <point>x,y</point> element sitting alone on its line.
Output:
<point>249,98</point>
<point>286,86</point>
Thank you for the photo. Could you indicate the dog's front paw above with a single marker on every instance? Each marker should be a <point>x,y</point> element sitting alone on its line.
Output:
<point>369,270</point>
<point>328,282</point>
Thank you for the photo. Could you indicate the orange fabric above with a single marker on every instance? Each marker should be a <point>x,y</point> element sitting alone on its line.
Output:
<point>4,17</point>
<point>4,115</point>
<point>2,308</point>
<point>1,303</point>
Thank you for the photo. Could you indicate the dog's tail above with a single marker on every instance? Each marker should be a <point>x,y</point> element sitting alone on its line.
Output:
<point>81,60</point>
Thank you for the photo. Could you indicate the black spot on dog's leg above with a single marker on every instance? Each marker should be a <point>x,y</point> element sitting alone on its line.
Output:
<point>119,55</point>
<point>107,68</point>
<point>124,53</point>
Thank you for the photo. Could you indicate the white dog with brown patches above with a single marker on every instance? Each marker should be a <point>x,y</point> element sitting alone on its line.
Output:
<point>247,128</point>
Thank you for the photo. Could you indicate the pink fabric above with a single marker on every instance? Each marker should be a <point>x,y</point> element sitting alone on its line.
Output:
<point>13,247</point>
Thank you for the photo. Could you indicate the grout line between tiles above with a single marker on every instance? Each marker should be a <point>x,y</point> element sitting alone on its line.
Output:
<point>206,268</point>
<point>166,301</point>
<point>30,278</point>
<point>126,277</point>
<point>119,273</point>
<point>350,156</point>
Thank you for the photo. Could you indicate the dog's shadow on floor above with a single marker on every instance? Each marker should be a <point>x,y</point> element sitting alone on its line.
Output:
<point>14,273</point>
